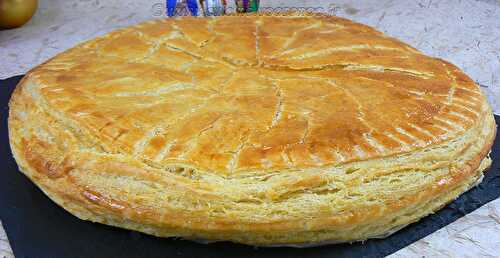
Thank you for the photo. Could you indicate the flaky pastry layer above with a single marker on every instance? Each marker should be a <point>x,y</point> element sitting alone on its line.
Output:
<point>255,129</point>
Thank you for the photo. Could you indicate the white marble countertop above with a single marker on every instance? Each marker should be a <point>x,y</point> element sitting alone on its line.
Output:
<point>466,32</point>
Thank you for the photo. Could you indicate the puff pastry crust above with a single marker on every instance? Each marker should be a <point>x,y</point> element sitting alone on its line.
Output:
<point>260,130</point>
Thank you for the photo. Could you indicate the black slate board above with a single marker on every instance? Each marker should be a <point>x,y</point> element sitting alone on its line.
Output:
<point>37,227</point>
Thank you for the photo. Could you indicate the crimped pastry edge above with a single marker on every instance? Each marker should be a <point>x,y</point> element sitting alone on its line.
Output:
<point>484,166</point>
<point>85,212</point>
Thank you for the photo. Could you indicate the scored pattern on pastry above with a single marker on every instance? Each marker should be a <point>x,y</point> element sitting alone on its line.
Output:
<point>278,92</point>
<point>254,129</point>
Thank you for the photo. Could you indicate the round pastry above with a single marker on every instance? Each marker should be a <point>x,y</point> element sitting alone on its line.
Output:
<point>254,129</point>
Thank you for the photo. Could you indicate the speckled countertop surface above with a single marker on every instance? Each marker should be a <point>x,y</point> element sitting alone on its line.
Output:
<point>466,32</point>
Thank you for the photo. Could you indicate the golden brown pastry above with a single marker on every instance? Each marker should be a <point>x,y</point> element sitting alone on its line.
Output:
<point>255,129</point>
